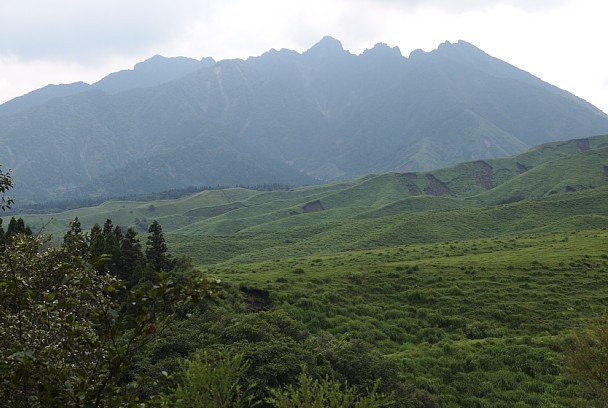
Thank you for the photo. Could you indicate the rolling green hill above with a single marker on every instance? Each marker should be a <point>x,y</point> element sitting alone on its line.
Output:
<point>553,187</point>
<point>473,280</point>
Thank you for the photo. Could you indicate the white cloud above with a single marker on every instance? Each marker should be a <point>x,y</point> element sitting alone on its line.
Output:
<point>461,6</point>
<point>20,77</point>
<point>91,30</point>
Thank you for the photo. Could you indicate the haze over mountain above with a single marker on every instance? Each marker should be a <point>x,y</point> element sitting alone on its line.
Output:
<point>154,71</point>
<point>285,117</point>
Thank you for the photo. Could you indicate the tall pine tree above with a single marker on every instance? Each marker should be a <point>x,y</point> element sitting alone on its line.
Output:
<point>96,244</point>
<point>75,240</point>
<point>131,258</point>
<point>156,247</point>
<point>15,227</point>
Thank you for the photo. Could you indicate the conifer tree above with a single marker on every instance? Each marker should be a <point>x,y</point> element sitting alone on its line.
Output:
<point>156,247</point>
<point>15,227</point>
<point>11,229</point>
<point>96,244</point>
<point>131,257</point>
<point>74,239</point>
<point>109,239</point>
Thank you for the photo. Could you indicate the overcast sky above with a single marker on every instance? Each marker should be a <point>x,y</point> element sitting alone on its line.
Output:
<point>62,41</point>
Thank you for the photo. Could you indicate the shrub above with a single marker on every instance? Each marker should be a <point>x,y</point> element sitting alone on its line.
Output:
<point>213,382</point>
<point>324,393</point>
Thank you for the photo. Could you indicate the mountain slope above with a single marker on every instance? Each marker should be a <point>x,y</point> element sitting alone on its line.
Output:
<point>321,115</point>
<point>553,187</point>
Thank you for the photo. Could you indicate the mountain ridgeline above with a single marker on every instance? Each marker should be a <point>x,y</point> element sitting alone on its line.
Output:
<point>283,117</point>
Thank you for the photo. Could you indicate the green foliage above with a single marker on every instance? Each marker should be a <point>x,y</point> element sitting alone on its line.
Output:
<point>587,362</point>
<point>156,247</point>
<point>274,343</point>
<point>431,300</point>
<point>361,366</point>
<point>479,322</point>
<point>312,393</point>
<point>529,193</point>
<point>70,332</point>
<point>6,183</point>
<point>212,381</point>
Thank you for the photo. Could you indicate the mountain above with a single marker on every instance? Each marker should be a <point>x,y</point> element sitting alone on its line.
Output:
<point>41,96</point>
<point>154,71</point>
<point>322,115</point>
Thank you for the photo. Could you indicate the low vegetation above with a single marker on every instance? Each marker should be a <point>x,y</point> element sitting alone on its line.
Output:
<point>474,323</point>
<point>372,296</point>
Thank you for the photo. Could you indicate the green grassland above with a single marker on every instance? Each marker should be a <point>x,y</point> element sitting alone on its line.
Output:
<point>476,323</point>
<point>474,278</point>
<point>554,187</point>
<point>326,232</point>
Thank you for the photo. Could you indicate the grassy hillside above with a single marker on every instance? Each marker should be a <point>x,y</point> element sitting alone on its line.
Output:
<point>473,279</point>
<point>320,233</point>
<point>476,323</point>
<point>554,187</point>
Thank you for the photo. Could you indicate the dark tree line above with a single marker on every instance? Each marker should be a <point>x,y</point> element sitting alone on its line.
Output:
<point>15,227</point>
<point>119,253</point>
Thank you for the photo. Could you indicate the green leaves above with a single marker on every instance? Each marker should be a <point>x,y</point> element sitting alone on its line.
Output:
<point>70,331</point>
<point>587,363</point>
<point>212,381</point>
<point>6,183</point>
<point>312,393</point>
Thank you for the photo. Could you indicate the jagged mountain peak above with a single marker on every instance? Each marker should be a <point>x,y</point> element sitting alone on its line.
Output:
<point>327,47</point>
<point>382,50</point>
<point>325,114</point>
<point>459,48</point>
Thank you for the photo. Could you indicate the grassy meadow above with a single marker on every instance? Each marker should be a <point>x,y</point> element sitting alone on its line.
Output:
<point>476,323</point>
<point>474,279</point>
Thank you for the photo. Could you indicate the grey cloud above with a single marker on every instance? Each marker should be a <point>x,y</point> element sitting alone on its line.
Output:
<point>89,31</point>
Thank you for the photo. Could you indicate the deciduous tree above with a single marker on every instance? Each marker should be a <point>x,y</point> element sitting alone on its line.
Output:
<point>69,331</point>
<point>6,183</point>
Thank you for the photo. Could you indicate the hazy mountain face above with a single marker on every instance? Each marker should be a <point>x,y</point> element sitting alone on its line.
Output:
<point>152,72</point>
<point>284,117</point>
